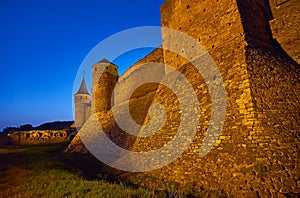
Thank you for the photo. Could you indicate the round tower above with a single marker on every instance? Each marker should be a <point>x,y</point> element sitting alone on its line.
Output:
<point>82,100</point>
<point>104,78</point>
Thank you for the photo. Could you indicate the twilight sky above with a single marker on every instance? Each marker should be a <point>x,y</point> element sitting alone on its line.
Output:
<point>43,43</point>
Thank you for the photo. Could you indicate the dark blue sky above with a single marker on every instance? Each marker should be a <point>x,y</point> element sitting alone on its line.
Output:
<point>42,44</point>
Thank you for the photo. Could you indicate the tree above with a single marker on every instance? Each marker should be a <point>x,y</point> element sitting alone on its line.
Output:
<point>26,127</point>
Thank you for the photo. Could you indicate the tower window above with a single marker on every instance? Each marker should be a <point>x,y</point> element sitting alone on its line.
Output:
<point>95,69</point>
<point>106,67</point>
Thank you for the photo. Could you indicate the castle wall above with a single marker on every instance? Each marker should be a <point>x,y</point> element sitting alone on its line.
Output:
<point>139,103</point>
<point>88,110</point>
<point>39,137</point>
<point>256,153</point>
<point>257,150</point>
<point>217,27</point>
<point>128,79</point>
<point>285,26</point>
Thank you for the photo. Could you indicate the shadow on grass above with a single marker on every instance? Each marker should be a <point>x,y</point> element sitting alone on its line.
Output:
<point>52,156</point>
<point>87,165</point>
<point>23,168</point>
<point>33,165</point>
<point>45,171</point>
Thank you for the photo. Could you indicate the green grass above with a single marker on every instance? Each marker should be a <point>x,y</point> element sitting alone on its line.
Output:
<point>45,171</point>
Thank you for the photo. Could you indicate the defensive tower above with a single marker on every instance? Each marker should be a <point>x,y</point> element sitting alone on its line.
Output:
<point>104,78</point>
<point>82,101</point>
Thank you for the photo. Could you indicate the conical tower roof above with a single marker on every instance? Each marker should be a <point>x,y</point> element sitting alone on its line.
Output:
<point>104,60</point>
<point>82,88</point>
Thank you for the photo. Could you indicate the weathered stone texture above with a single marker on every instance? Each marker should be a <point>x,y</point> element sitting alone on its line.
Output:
<point>285,26</point>
<point>39,137</point>
<point>256,154</point>
<point>82,100</point>
<point>139,103</point>
<point>128,79</point>
<point>82,109</point>
<point>104,78</point>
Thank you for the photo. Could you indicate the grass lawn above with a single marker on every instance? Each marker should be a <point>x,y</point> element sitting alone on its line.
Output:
<point>45,171</point>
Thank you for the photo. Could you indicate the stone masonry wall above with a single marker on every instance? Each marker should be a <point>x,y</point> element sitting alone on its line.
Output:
<point>82,109</point>
<point>39,137</point>
<point>256,154</point>
<point>103,92</point>
<point>216,26</point>
<point>104,78</point>
<point>285,26</point>
<point>140,101</point>
<point>127,80</point>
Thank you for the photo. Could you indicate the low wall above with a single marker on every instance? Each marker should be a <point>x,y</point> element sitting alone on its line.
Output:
<point>39,137</point>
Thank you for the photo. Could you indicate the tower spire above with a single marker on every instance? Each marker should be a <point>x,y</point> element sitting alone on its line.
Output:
<point>82,89</point>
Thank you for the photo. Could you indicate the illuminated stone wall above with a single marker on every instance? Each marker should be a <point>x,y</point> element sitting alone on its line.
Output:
<point>256,154</point>
<point>140,102</point>
<point>285,26</point>
<point>104,78</point>
<point>39,137</point>
<point>82,109</point>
